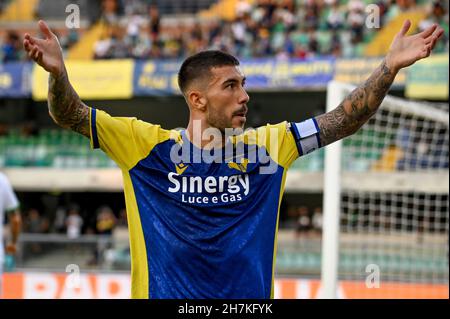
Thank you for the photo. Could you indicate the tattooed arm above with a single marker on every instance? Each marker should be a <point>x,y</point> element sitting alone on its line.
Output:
<point>357,107</point>
<point>65,106</point>
<point>364,101</point>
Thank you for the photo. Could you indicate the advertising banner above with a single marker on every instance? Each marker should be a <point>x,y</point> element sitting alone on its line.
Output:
<point>15,80</point>
<point>155,78</point>
<point>428,79</point>
<point>92,80</point>
<point>160,78</point>
<point>117,286</point>
<point>356,71</point>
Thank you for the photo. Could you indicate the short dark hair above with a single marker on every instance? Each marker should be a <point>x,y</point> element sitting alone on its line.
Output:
<point>200,64</point>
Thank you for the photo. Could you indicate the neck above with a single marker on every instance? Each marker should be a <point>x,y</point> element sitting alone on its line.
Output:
<point>195,134</point>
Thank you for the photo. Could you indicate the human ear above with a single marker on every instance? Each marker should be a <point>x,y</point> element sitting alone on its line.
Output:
<point>197,100</point>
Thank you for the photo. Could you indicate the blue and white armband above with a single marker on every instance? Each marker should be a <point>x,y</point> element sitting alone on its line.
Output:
<point>306,135</point>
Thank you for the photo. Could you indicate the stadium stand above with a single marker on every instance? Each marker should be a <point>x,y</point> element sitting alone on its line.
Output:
<point>19,10</point>
<point>162,30</point>
<point>144,29</point>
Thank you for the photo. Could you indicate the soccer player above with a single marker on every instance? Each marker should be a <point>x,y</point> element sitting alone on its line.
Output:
<point>202,225</point>
<point>8,204</point>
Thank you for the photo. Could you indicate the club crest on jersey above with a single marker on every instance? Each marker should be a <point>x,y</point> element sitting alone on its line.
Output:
<point>242,167</point>
<point>181,167</point>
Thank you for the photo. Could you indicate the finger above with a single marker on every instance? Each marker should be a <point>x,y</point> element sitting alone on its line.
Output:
<point>431,42</point>
<point>27,45</point>
<point>439,34</point>
<point>428,31</point>
<point>45,29</point>
<point>405,27</point>
<point>433,39</point>
<point>39,57</point>
<point>32,53</point>
<point>36,54</point>
<point>33,40</point>
<point>428,50</point>
<point>29,38</point>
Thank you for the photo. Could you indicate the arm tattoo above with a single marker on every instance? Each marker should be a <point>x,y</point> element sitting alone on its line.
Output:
<point>65,106</point>
<point>357,107</point>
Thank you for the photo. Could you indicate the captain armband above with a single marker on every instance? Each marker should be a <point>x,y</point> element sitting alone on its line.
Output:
<point>306,135</point>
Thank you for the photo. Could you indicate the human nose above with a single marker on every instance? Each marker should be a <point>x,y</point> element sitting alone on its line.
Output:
<point>244,97</point>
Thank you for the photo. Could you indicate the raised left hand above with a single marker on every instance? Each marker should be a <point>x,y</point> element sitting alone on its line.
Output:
<point>406,50</point>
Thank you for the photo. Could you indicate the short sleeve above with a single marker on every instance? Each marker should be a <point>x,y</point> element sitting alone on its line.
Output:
<point>126,140</point>
<point>279,143</point>
<point>9,200</point>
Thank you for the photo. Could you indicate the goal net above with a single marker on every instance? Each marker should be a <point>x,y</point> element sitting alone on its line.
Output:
<point>392,220</point>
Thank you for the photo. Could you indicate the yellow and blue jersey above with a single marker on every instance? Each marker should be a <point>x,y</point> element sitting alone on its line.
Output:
<point>202,229</point>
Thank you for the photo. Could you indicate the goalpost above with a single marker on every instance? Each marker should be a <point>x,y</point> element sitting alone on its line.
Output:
<point>385,227</point>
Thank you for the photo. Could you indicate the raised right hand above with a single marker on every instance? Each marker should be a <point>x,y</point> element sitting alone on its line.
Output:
<point>46,52</point>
